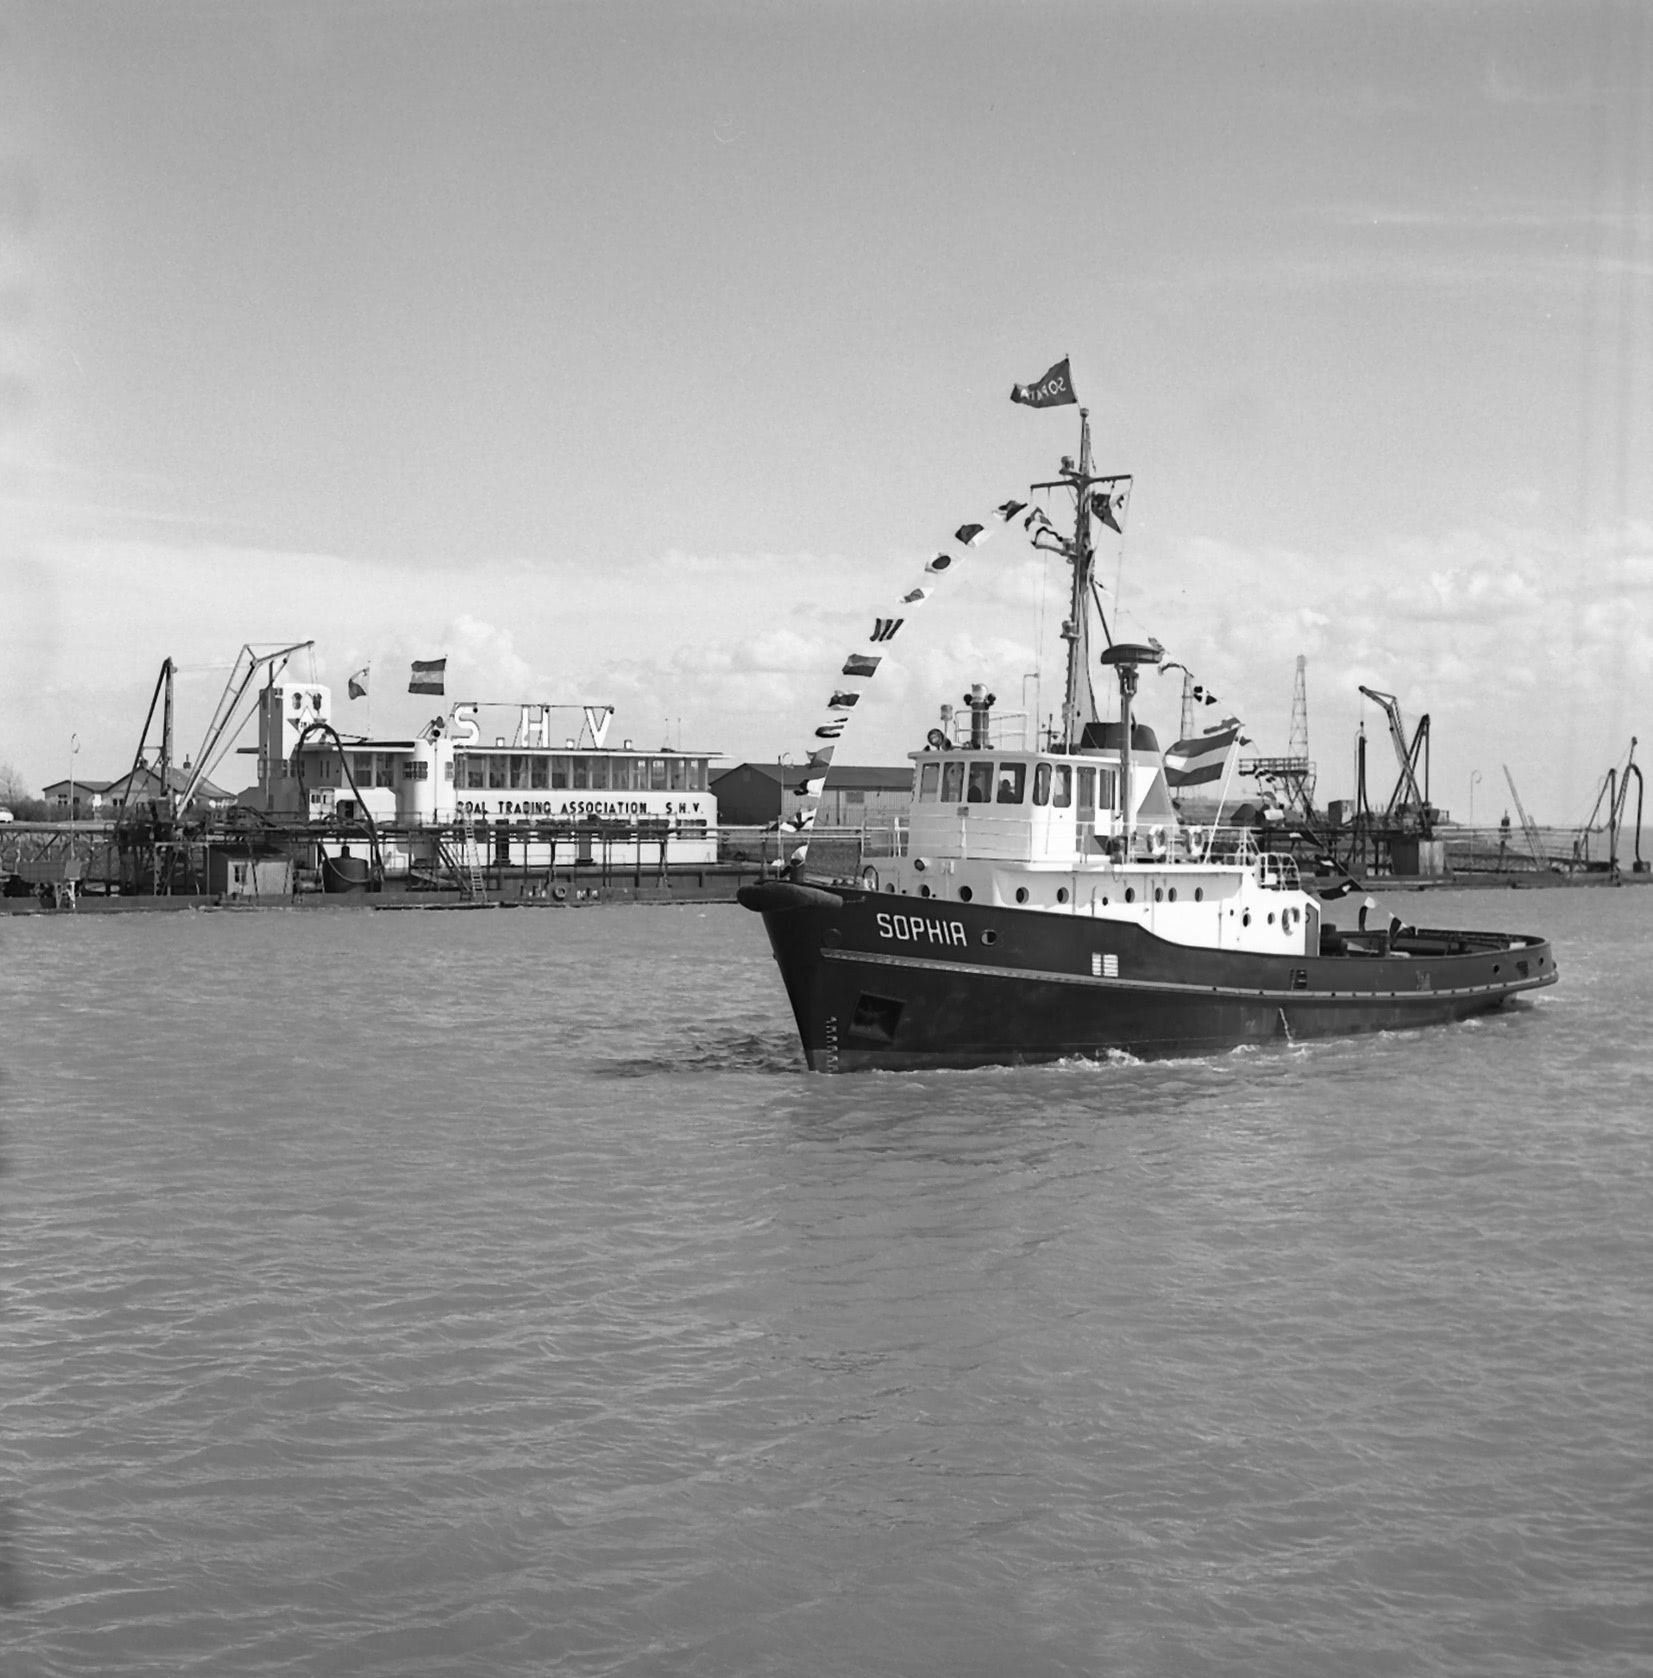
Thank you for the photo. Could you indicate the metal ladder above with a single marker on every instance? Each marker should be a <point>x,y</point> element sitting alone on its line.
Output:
<point>470,881</point>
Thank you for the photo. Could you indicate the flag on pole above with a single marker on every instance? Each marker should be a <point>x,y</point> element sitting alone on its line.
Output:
<point>429,675</point>
<point>1200,758</point>
<point>1109,506</point>
<point>357,684</point>
<point>1055,388</point>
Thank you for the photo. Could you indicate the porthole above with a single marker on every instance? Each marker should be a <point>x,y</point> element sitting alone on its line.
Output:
<point>965,894</point>
<point>890,886</point>
<point>1173,894</point>
<point>1245,919</point>
<point>1104,903</point>
<point>1130,894</point>
<point>1495,970</point>
<point>1199,894</point>
<point>1021,894</point>
<point>989,936</point>
<point>1159,894</point>
<point>924,891</point>
<point>1061,894</point>
<point>1271,917</point>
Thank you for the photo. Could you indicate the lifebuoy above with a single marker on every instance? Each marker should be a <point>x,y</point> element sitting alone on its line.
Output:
<point>560,893</point>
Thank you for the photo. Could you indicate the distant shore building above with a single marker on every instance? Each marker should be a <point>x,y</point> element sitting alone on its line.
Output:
<point>95,800</point>
<point>855,795</point>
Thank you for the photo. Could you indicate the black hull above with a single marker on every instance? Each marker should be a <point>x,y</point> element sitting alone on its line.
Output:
<point>895,983</point>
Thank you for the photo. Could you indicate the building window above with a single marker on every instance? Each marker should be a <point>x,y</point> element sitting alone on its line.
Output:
<point>539,772</point>
<point>415,769</point>
<point>498,766</point>
<point>599,774</point>
<point>657,774</point>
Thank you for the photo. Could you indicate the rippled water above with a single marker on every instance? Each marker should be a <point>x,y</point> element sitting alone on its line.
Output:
<point>492,1293</point>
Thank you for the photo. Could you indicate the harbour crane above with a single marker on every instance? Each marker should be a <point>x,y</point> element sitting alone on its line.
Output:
<point>234,708</point>
<point>1409,801</point>
<point>1615,791</point>
<point>154,848</point>
<point>1528,826</point>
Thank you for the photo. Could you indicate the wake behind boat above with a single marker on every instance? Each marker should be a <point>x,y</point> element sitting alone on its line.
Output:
<point>1051,903</point>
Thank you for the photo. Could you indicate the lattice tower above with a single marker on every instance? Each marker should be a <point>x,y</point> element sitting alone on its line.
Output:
<point>1299,746</point>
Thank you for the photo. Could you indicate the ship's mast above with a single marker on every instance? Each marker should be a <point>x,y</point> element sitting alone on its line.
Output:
<point>1077,707</point>
<point>1076,631</point>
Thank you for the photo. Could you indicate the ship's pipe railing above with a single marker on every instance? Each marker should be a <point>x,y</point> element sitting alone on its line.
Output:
<point>1007,839</point>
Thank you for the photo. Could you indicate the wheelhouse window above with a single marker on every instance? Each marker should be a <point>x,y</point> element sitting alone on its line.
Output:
<point>1061,790</point>
<point>952,783</point>
<point>1041,783</point>
<point>929,780</point>
<point>559,772</point>
<point>979,784</point>
<point>1012,783</point>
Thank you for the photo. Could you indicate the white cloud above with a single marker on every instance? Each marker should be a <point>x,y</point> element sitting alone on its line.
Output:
<point>1522,644</point>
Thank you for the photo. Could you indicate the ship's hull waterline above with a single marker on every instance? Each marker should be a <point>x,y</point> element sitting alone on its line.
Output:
<point>886,983</point>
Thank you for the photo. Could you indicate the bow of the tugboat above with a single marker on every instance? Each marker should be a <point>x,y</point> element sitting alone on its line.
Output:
<point>799,919</point>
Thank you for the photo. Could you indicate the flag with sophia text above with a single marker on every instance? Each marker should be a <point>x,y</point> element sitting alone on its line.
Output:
<point>1055,388</point>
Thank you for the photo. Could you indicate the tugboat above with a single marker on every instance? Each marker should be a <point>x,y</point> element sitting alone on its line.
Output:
<point>1051,903</point>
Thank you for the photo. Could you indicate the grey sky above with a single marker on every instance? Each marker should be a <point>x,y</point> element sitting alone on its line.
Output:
<point>638,353</point>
